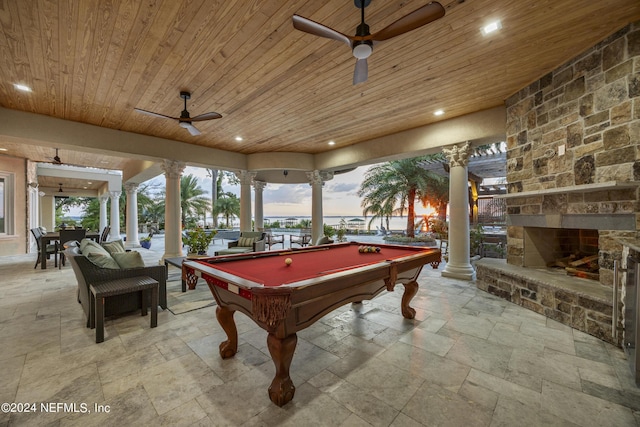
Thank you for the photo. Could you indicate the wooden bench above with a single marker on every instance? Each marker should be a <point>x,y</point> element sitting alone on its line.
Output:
<point>101,291</point>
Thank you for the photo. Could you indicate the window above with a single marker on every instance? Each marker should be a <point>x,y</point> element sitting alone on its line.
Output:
<point>6,203</point>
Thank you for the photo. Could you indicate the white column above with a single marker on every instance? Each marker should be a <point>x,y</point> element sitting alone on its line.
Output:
<point>103,198</point>
<point>48,211</point>
<point>172,211</point>
<point>316,180</point>
<point>258,186</point>
<point>459,265</point>
<point>115,214</point>
<point>245,178</point>
<point>132,215</point>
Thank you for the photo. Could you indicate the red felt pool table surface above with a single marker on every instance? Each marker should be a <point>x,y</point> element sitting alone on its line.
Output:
<point>307,263</point>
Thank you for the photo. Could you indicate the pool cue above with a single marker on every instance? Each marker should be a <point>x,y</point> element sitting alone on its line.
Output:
<point>215,260</point>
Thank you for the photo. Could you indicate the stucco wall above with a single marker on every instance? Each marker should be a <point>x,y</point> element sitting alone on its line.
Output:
<point>16,244</point>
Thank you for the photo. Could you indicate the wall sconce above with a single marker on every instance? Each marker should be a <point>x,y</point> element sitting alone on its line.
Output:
<point>285,173</point>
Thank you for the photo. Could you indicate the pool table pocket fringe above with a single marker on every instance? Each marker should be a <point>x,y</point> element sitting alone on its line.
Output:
<point>271,307</point>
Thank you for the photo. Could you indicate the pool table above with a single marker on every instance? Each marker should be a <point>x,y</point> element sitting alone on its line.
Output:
<point>284,299</point>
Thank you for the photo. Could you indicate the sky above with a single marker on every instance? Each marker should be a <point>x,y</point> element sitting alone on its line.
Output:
<point>339,195</point>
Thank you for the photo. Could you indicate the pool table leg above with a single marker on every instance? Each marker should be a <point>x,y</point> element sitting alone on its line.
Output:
<point>229,347</point>
<point>282,389</point>
<point>410,290</point>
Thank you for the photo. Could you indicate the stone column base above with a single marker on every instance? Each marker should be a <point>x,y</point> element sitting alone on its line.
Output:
<point>462,272</point>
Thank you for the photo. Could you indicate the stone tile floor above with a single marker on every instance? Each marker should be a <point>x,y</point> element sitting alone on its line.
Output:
<point>468,359</point>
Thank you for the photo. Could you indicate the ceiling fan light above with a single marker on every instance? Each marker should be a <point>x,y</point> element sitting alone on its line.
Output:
<point>362,51</point>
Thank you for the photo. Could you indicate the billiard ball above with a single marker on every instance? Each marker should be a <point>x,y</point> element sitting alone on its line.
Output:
<point>288,261</point>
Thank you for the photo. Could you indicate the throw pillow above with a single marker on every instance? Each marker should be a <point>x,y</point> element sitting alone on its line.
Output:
<point>131,259</point>
<point>104,261</point>
<point>246,241</point>
<point>89,246</point>
<point>115,246</point>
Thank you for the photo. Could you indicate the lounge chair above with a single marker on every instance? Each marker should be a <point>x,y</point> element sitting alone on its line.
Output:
<point>249,241</point>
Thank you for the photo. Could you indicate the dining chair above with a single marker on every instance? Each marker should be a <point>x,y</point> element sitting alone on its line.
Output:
<point>105,234</point>
<point>67,237</point>
<point>52,249</point>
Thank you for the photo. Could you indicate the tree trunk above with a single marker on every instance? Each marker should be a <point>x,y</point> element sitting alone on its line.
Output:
<point>411,212</point>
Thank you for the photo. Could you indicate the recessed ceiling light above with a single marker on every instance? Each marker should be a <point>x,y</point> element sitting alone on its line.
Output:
<point>238,138</point>
<point>490,28</point>
<point>89,182</point>
<point>332,143</point>
<point>438,112</point>
<point>22,87</point>
<point>4,149</point>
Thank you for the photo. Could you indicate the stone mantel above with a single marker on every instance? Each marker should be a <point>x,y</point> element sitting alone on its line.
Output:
<point>584,188</point>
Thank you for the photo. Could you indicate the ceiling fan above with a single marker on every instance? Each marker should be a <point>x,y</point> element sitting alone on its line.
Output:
<point>185,120</point>
<point>62,194</point>
<point>56,159</point>
<point>362,43</point>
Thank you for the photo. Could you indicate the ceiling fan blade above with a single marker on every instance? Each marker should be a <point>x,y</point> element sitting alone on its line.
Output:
<point>317,29</point>
<point>191,128</point>
<point>415,19</point>
<point>206,116</point>
<point>154,114</point>
<point>361,72</point>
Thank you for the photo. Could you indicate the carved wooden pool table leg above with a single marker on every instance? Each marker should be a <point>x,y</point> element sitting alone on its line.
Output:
<point>229,347</point>
<point>410,290</point>
<point>282,389</point>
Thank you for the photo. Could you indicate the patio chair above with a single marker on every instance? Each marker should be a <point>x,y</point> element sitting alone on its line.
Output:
<point>52,249</point>
<point>302,239</point>
<point>274,239</point>
<point>249,241</point>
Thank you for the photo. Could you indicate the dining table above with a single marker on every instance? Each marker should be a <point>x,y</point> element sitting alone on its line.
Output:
<point>54,236</point>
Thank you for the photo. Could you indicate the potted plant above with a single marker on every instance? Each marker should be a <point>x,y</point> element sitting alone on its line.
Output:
<point>198,240</point>
<point>145,242</point>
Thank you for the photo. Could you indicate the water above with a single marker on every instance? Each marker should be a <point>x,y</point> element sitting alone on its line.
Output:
<point>395,223</point>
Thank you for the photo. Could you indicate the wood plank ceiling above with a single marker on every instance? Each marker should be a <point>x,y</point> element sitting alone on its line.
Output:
<point>280,89</point>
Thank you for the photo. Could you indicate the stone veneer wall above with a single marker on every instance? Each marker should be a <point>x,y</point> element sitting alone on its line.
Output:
<point>591,106</point>
<point>580,310</point>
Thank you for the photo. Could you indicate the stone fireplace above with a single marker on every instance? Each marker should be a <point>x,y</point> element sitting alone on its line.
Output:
<point>573,169</point>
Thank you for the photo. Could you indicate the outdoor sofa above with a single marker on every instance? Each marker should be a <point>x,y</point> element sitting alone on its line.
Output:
<point>101,267</point>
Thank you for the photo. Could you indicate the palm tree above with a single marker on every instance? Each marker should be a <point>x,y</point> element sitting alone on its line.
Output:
<point>396,185</point>
<point>192,201</point>
<point>228,205</point>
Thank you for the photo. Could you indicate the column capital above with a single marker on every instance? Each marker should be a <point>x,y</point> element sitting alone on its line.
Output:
<point>458,155</point>
<point>131,187</point>
<point>172,168</point>
<point>103,198</point>
<point>317,177</point>
<point>115,194</point>
<point>245,177</point>
<point>259,185</point>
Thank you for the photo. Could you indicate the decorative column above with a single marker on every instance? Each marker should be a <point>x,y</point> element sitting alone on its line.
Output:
<point>258,186</point>
<point>132,215</point>
<point>245,178</point>
<point>103,198</point>
<point>172,210</point>
<point>459,265</point>
<point>115,214</point>
<point>316,180</point>
<point>48,212</point>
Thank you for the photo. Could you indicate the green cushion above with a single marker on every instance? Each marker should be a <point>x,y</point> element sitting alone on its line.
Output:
<point>89,246</point>
<point>246,241</point>
<point>104,261</point>
<point>131,259</point>
<point>233,250</point>
<point>115,246</point>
